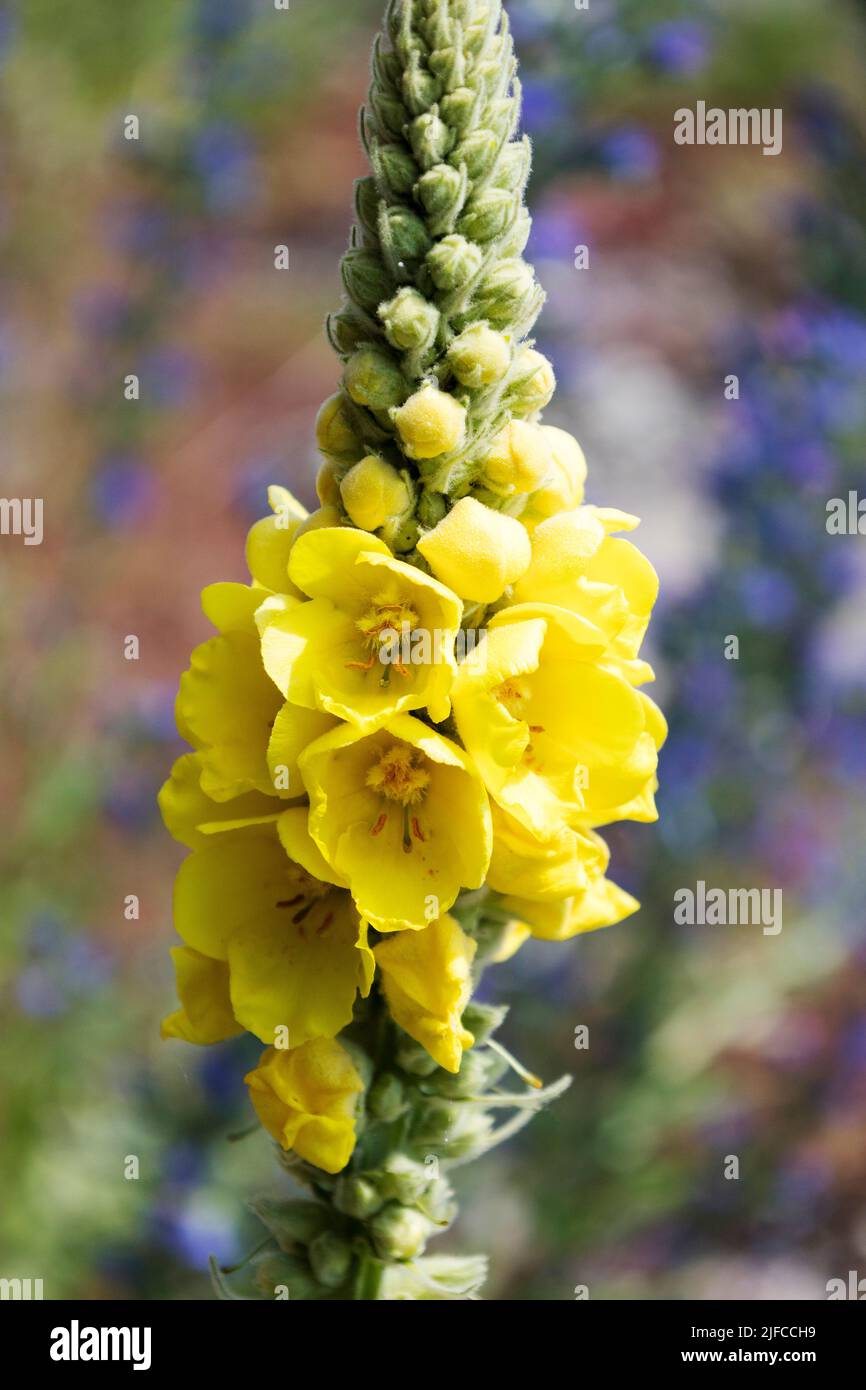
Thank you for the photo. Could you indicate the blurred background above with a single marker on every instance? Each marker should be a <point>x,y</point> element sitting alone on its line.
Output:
<point>156,257</point>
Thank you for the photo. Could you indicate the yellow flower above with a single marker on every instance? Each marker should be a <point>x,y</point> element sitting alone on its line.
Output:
<point>205,1015</point>
<point>519,460</point>
<point>602,904</point>
<point>476,551</point>
<point>376,638</point>
<point>579,565</point>
<point>430,423</point>
<point>427,979</point>
<point>373,492</point>
<point>562,487</point>
<point>225,708</point>
<point>306,1098</point>
<point>401,816</point>
<point>270,541</point>
<point>548,870</point>
<point>295,952</point>
<point>558,739</point>
<point>193,818</point>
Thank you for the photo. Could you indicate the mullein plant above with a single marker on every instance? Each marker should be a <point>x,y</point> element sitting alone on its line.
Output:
<point>414,718</point>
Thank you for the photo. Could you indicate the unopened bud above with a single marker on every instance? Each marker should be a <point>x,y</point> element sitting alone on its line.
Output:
<point>479,356</point>
<point>562,490</point>
<point>410,321</point>
<point>421,89</point>
<point>408,235</point>
<point>477,551</point>
<point>519,459</point>
<point>386,1098</point>
<point>512,169</point>
<point>482,1020</point>
<point>479,1070</point>
<point>411,1057</point>
<point>398,168</point>
<point>275,1272</point>
<point>490,216</point>
<point>514,242</point>
<point>458,108</point>
<point>399,1233</point>
<point>430,423</point>
<point>365,278</point>
<point>430,139</point>
<point>532,382</point>
<point>327,486</point>
<point>390,113</point>
<point>374,379</point>
<point>346,330</point>
<point>404,1179</point>
<point>330,1259</point>
<point>334,434</point>
<point>507,293</point>
<point>372,492</point>
<point>454,261</point>
<point>477,152</point>
<point>356,1196</point>
<point>441,190</point>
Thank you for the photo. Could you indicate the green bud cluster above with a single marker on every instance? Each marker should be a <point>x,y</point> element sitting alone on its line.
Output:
<point>364,1232</point>
<point>437,290</point>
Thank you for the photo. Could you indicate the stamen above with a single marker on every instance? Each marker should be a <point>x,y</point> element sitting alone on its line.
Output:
<point>299,916</point>
<point>325,924</point>
<point>380,824</point>
<point>292,902</point>
<point>417,831</point>
<point>407,837</point>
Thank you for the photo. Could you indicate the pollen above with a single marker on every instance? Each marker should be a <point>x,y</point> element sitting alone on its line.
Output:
<point>400,775</point>
<point>515,695</point>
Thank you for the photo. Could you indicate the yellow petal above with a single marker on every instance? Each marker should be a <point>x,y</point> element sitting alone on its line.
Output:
<point>306,1099</point>
<point>186,810</point>
<point>427,979</point>
<point>205,1015</point>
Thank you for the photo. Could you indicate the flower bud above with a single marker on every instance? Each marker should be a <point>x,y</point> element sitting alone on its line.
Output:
<point>512,169</point>
<point>330,1259</point>
<point>477,152</point>
<point>389,112</point>
<point>532,383</point>
<point>430,423</point>
<point>374,379</point>
<point>478,1071</point>
<point>346,330</point>
<point>562,490</point>
<point>483,1020</point>
<point>372,491</point>
<point>411,1057</point>
<point>399,1233</point>
<point>421,89</point>
<point>410,321</point>
<point>476,551</point>
<point>458,108</point>
<point>365,278</point>
<point>334,434</point>
<point>291,1222</point>
<point>367,202</point>
<point>479,356</point>
<point>519,459</point>
<point>409,237</point>
<point>275,1272</point>
<point>454,261</point>
<point>441,191</point>
<point>489,216</point>
<point>386,1099</point>
<point>430,139</point>
<point>507,293</point>
<point>399,169</point>
<point>501,115</point>
<point>514,242</point>
<point>357,1196</point>
<point>404,1179</point>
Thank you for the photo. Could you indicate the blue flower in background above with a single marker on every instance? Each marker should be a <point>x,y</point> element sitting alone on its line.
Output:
<point>681,47</point>
<point>223,158</point>
<point>123,492</point>
<point>221,20</point>
<point>631,153</point>
<point>544,106</point>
